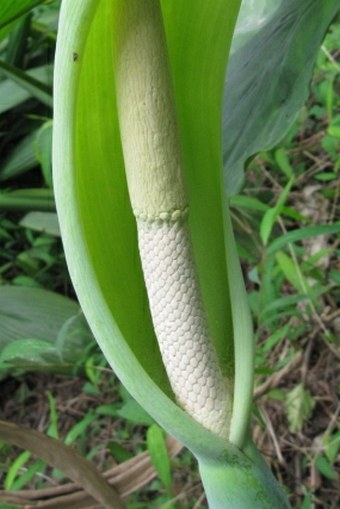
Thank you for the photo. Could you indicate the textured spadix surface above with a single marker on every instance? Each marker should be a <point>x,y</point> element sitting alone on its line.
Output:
<point>180,322</point>
<point>155,175</point>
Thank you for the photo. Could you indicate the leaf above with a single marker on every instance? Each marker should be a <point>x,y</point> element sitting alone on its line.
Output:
<point>247,202</point>
<point>13,94</point>
<point>15,467</point>
<point>307,501</point>
<point>126,478</point>
<point>64,458</point>
<point>268,75</point>
<point>301,234</point>
<point>53,426</point>
<point>31,323</point>
<point>35,88</point>
<point>79,428</point>
<point>331,444</point>
<point>43,151</point>
<point>292,300</point>
<point>283,162</point>
<point>42,222</point>
<point>274,338</point>
<point>272,214</point>
<point>25,477</point>
<point>291,272</point>
<point>21,159</point>
<point>299,406</point>
<point>159,454</point>
<point>325,467</point>
<point>26,352</point>
<point>27,199</point>
<point>10,10</point>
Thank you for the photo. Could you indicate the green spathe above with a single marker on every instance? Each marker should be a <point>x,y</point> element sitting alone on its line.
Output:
<point>99,230</point>
<point>97,224</point>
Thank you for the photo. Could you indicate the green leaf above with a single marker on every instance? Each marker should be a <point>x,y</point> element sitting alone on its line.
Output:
<point>159,454</point>
<point>301,234</point>
<point>17,41</point>
<point>299,407</point>
<point>307,501</point>
<point>34,87</point>
<point>276,45</point>
<point>283,162</point>
<point>9,10</point>
<point>334,130</point>
<point>33,327</point>
<point>80,428</point>
<point>272,214</point>
<point>331,444</point>
<point>14,469</point>
<point>21,159</point>
<point>53,427</point>
<point>12,94</point>
<point>292,300</point>
<point>325,176</point>
<point>24,478</point>
<point>27,199</point>
<point>247,202</point>
<point>42,222</point>
<point>43,151</point>
<point>272,340</point>
<point>64,458</point>
<point>291,271</point>
<point>325,467</point>
<point>27,352</point>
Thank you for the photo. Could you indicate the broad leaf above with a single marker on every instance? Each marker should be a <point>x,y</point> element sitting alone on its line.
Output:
<point>21,159</point>
<point>41,330</point>
<point>12,94</point>
<point>42,222</point>
<point>28,82</point>
<point>10,11</point>
<point>27,199</point>
<point>274,49</point>
<point>75,466</point>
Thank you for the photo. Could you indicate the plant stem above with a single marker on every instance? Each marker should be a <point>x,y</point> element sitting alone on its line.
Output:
<point>241,480</point>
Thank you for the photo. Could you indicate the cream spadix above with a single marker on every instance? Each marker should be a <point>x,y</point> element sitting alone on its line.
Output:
<point>153,164</point>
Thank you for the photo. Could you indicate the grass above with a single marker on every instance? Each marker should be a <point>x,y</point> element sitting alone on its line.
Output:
<point>285,222</point>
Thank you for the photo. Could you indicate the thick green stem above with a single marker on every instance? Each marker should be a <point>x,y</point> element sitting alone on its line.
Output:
<point>241,480</point>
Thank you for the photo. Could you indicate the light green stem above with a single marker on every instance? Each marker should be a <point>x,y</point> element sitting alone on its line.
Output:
<point>241,480</point>
<point>153,163</point>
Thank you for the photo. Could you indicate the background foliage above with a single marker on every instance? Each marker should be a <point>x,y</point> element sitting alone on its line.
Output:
<point>286,220</point>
